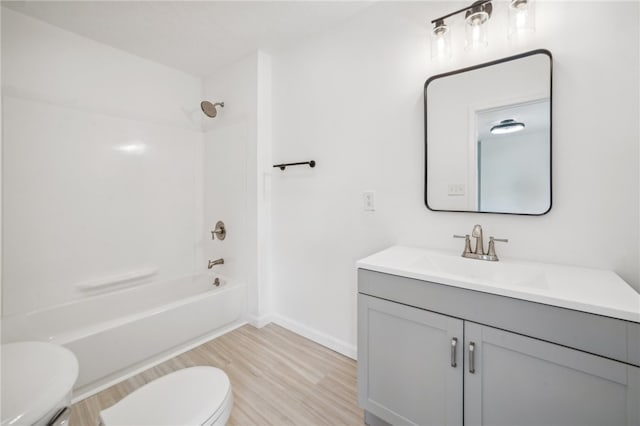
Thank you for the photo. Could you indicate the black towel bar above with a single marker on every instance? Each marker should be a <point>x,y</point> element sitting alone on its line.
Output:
<point>285,165</point>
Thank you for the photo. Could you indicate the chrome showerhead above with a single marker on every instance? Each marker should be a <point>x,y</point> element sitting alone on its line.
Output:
<point>210,109</point>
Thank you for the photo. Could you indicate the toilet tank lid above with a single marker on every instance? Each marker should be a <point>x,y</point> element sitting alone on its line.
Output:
<point>36,378</point>
<point>189,396</point>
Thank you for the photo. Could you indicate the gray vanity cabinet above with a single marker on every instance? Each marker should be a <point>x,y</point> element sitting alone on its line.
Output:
<point>408,369</point>
<point>410,373</point>
<point>523,381</point>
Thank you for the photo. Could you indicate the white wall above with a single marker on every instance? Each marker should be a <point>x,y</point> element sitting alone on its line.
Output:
<point>351,99</point>
<point>101,165</point>
<point>237,145</point>
<point>1,172</point>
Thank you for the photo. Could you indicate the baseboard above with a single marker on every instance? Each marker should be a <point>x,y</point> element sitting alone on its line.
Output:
<point>259,322</point>
<point>106,382</point>
<point>319,337</point>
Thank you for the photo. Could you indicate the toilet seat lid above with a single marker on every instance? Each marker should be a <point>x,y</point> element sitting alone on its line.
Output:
<point>36,377</point>
<point>190,396</point>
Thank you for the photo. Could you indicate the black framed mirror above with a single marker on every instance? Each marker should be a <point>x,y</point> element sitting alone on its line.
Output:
<point>488,137</point>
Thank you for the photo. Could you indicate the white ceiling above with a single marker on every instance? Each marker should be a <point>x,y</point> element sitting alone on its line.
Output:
<point>197,37</point>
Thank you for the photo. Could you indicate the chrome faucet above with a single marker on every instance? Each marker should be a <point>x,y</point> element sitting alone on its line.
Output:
<point>212,263</point>
<point>479,252</point>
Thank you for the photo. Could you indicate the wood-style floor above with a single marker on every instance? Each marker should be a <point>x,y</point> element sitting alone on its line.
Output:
<point>278,378</point>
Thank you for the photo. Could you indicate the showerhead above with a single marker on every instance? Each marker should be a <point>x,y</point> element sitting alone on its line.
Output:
<point>210,109</point>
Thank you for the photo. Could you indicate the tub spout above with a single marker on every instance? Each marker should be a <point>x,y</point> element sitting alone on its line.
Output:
<point>212,263</point>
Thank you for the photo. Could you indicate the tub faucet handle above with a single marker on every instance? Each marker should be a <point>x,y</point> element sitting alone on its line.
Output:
<point>220,231</point>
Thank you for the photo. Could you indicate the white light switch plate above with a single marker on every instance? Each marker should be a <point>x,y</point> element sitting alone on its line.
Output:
<point>368,198</point>
<point>455,189</point>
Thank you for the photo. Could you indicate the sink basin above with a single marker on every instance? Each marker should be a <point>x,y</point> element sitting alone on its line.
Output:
<point>589,290</point>
<point>489,273</point>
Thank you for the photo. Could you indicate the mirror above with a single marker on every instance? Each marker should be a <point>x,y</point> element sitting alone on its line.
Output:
<point>488,137</point>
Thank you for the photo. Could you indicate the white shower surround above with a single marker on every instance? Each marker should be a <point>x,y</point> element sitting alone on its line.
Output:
<point>118,333</point>
<point>134,137</point>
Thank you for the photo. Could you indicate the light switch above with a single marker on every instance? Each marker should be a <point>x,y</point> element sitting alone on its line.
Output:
<point>369,201</point>
<point>455,189</point>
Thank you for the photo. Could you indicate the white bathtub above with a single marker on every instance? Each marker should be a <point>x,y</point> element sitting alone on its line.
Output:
<point>117,333</point>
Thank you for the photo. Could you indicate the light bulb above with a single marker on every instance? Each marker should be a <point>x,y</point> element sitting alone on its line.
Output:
<point>521,18</point>
<point>440,41</point>
<point>477,26</point>
<point>476,36</point>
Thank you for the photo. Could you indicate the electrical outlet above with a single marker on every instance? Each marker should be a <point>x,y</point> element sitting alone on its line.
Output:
<point>368,198</point>
<point>455,189</point>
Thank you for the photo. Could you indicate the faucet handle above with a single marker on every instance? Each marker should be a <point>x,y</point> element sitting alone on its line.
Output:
<point>492,245</point>
<point>220,231</point>
<point>467,243</point>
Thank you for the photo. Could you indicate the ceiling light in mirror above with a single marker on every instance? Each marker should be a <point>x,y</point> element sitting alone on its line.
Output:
<point>507,126</point>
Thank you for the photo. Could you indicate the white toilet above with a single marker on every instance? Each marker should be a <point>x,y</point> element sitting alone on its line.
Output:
<point>198,396</point>
<point>37,379</point>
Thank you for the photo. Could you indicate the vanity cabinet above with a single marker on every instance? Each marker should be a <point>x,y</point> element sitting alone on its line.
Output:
<point>448,361</point>
<point>411,369</point>
<point>523,381</point>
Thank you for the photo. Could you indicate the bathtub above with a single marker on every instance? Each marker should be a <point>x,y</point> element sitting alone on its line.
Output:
<point>117,334</point>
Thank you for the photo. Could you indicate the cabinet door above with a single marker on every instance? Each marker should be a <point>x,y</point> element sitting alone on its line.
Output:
<point>523,381</point>
<point>408,372</point>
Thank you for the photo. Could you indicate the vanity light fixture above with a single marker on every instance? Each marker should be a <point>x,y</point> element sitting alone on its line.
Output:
<point>477,16</point>
<point>507,126</point>
<point>440,41</point>
<point>521,17</point>
<point>476,25</point>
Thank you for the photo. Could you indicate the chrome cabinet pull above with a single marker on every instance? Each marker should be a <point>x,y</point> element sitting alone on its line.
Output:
<point>472,358</point>
<point>454,345</point>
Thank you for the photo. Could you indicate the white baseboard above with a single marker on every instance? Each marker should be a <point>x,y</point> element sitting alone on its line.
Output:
<point>319,337</point>
<point>259,322</point>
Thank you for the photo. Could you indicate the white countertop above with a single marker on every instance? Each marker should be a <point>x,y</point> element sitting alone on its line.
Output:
<point>594,291</point>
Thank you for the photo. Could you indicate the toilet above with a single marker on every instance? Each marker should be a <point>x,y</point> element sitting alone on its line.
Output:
<point>195,396</point>
<point>37,379</point>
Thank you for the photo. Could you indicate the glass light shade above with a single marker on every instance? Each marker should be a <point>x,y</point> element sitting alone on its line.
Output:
<point>440,42</point>
<point>522,17</point>
<point>477,30</point>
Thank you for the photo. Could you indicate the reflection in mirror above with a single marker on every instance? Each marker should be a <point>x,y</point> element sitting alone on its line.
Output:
<point>513,158</point>
<point>488,137</point>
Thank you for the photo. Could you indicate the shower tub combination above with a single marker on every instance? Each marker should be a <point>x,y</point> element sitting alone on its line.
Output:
<point>119,333</point>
